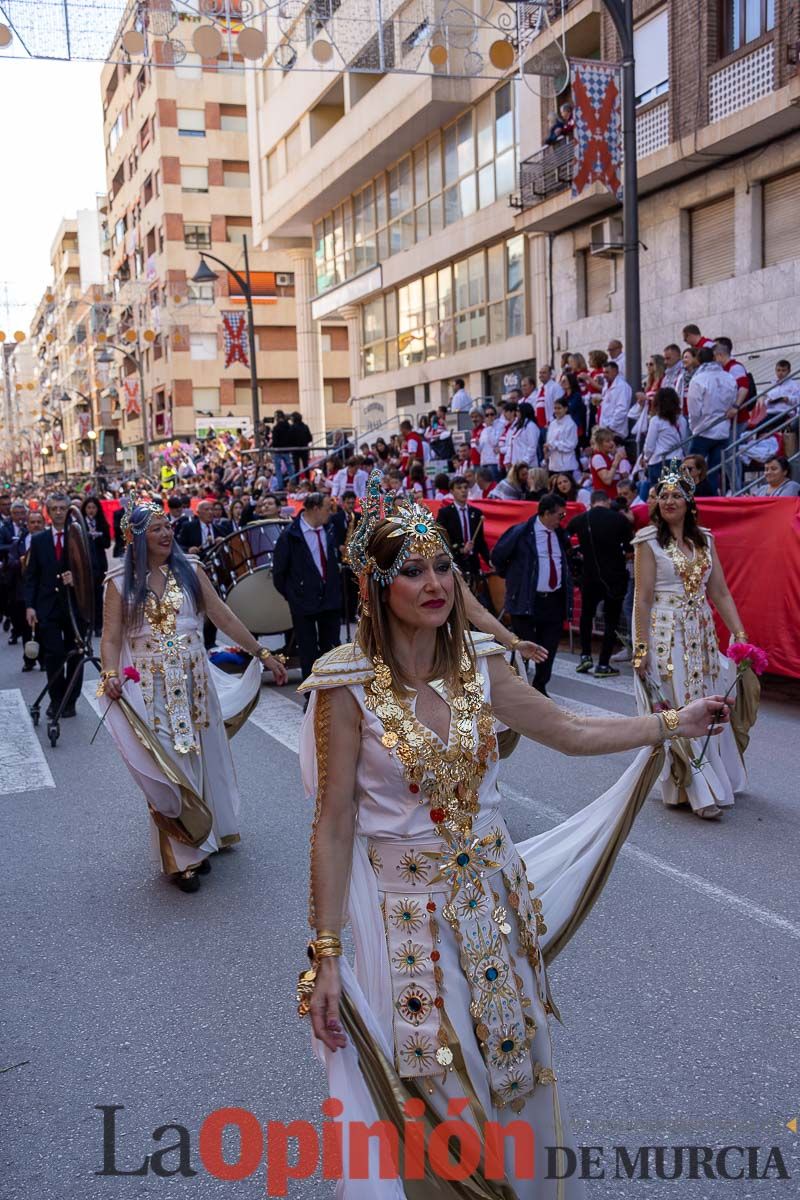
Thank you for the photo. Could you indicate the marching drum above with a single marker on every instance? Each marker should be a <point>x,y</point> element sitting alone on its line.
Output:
<point>240,568</point>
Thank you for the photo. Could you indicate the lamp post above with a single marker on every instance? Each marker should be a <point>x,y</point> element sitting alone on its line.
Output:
<point>105,357</point>
<point>621,13</point>
<point>62,445</point>
<point>204,274</point>
<point>92,436</point>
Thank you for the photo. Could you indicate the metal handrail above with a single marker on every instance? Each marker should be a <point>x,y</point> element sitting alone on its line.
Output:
<point>747,490</point>
<point>729,454</point>
<point>546,172</point>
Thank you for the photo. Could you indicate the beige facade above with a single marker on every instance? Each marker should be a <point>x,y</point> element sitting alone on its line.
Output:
<point>179,183</point>
<point>719,183</point>
<point>70,424</point>
<point>397,184</point>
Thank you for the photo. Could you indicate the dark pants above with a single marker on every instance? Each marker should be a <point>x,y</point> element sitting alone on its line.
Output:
<point>544,627</point>
<point>209,634</point>
<point>592,592</point>
<point>711,449</point>
<point>57,638</point>
<point>315,635</point>
<point>300,461</point>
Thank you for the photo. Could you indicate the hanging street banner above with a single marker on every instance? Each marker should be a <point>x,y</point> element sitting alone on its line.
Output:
<point>596,96</point>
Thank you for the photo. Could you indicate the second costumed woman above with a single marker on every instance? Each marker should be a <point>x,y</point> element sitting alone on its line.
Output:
<point>453,924</point>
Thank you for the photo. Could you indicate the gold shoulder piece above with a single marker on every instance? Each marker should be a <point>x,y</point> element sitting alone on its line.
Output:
<point>114,572</point>
<point>645,535</point>
<point>484,644</point>
<point>341,666</point>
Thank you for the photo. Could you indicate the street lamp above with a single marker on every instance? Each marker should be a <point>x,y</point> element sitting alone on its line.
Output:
<point>105,357</point>
<point>204,274</point>
<point>62,445</point>
<point>92,436</point>
<point>621,13</point>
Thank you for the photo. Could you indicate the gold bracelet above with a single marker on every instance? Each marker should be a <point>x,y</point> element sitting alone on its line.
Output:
<point>739,636</point>
<point>104,678</point>
<point>515,641</point>
<point>671,719</point>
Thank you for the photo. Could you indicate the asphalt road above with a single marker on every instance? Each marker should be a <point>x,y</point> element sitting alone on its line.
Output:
<point>679,995</point>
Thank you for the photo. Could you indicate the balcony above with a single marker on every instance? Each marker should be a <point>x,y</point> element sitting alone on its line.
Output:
<point>741,82</point>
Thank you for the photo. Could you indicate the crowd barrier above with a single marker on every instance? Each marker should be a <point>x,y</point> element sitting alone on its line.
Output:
<point>758,542</point>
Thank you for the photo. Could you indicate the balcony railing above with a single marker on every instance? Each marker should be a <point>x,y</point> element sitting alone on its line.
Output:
<point>741,82</point>
<point>545,173</point>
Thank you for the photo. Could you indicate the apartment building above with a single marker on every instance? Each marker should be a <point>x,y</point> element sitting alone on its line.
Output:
<point>426,216</point>
<point>73,425</point>
<point>393,190</point>
<point>178,185</point>
<point>718,138</point>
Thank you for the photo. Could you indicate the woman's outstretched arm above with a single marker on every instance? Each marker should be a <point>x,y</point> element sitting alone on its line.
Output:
<point>524,710</point>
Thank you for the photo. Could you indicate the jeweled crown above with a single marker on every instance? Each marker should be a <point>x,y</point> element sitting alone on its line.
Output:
<point>145,509</point>
<point>675,478</point>
<point>414,523</point>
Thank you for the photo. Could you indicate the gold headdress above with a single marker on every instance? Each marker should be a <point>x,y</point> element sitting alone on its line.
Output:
<point>674,478</point>
<point>145,510</point>
<point>414,523</point>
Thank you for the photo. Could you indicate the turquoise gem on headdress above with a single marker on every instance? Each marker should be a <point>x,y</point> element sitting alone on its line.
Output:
<point>421,527</point>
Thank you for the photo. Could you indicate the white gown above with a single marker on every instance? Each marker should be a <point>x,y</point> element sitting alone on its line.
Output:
<point>455,954</point>
<point>685,662</point>
<point>188,707</point>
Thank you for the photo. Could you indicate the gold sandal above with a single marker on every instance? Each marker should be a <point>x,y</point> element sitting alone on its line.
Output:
<point>711,812</point>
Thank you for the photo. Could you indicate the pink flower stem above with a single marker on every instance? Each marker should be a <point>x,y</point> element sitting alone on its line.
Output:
<point>699,762</point>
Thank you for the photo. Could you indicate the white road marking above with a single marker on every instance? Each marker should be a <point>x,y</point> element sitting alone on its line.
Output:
<point>88,694</point>
<point>23,766</point>
<point>280,717</point>
<point>697,883</point>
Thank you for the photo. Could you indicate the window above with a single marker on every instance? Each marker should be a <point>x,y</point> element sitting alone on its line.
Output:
<point>742,21</point>
<point>191,67</point>
<point>276,164</point>
<point>235,234</point>
<point>115,133</point>
<point>194,179</point>
<point>197,237</point>
<point>203,346</point>
<point>448,176</point>
<point>479,299</point>
<point>191,122</point>
<point>233,122</point>
<point>235,174</point>
<point>781,204</point>
<point>206,399</point>
<point>597,284</point>
<point>711,243</point>
<point>651,49</point>
<point>201,293</point>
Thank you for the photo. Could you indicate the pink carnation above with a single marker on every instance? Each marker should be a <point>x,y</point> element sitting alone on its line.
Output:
<point>747,655</point>
<point>132,674</point>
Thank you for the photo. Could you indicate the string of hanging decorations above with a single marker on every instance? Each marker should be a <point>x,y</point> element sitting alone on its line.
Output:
<point>361,36</point>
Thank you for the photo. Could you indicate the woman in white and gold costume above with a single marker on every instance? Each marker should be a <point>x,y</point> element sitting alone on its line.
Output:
<point>452,924</point>
<point>676,655</point>
<point>175,710</point>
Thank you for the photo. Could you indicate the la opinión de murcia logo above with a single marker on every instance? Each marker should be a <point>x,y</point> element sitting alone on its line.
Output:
<point>451,1150</point>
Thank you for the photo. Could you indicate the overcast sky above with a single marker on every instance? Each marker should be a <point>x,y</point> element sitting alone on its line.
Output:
<point>51,164</point>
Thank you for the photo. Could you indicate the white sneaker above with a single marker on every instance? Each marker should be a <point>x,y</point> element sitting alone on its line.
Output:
<point>623,655</point>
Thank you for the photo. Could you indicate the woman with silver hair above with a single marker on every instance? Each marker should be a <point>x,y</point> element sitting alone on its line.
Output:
<point>174,710</point>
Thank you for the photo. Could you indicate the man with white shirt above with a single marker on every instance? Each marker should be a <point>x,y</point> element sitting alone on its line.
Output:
<point>460,401</point>
<point>352,477</point>
<point>617,355</point>
<point>545,397</point>
<point>532,558</point>
<point>305,570</point>
<point>616,402</point>
<point>712,394</point>
<point>47,577</point>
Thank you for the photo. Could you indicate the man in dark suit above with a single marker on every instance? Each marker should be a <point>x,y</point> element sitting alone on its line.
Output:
<point>47,576</point>
<point>605,537</point>
<point>178,517</point>
<point>532,558</point>
<point>12,538</point>
<point>301,439</point>
<point>305,570</point>
<point>201,532</point>
<point>463,525</point>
